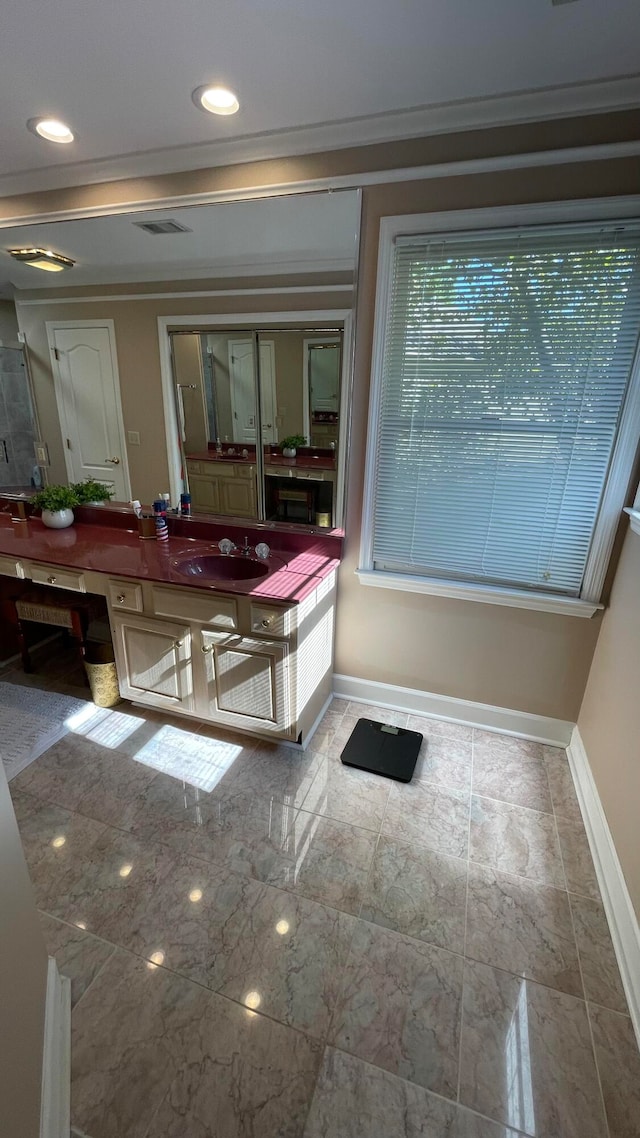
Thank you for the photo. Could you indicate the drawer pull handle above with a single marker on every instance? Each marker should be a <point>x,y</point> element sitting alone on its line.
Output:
<point>267,621</point>
<point>206,647</point>
<point>121,598</point>
<point>51,580</point>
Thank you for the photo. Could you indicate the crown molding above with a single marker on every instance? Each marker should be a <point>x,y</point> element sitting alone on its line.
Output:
<point>418,122</point>
<point>459,168</point>
<point>216,270</point>
<point>117,297</point>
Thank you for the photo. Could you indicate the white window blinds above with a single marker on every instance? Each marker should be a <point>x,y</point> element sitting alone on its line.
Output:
<point>507,358</point>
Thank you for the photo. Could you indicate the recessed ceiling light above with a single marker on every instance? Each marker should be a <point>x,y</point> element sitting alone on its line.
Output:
<point>42,259</point>
<point>51,129</point>
<point>217,100</point>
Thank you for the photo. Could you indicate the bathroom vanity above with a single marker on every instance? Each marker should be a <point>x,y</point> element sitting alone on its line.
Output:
<point>224,482</point>
<point>231,640</point>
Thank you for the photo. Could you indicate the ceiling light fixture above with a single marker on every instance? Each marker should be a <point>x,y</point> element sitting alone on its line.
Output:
<point>217,100</point>
<point>51,129</point>
<point>42,259</point>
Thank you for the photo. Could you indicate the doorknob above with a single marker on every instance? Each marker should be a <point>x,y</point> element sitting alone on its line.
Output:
<point>113,461</point>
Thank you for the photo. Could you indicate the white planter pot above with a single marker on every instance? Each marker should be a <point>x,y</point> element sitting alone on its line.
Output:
<point>289,452</point>
<point>57,519</point>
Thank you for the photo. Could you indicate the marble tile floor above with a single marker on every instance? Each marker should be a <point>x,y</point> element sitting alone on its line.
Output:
<point>264,944</point>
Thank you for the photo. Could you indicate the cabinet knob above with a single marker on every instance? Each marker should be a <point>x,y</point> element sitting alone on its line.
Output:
<point>206,647</point>
<point>178,643</point>
<point>121,598</point>
<point>51,580</point>
<point>266,622</point>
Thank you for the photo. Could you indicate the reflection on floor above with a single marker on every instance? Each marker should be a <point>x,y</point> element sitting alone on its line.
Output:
<point>262,943</point>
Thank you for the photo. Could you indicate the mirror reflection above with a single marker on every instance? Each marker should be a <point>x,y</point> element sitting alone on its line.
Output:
<point>18,431</point>
<point>233,386</point>
<point>201,349</point>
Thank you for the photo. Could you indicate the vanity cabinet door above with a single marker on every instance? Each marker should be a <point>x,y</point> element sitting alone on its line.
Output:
<point>205,493</point>
<point>153,658</point>
<point>238,497</point>
<point>247,683</point>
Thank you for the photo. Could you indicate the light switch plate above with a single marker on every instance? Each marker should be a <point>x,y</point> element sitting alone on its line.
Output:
<point>134,438</point>
<point>42,454</point>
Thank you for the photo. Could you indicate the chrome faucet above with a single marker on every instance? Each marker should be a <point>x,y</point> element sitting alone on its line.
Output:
<point>261,550</point>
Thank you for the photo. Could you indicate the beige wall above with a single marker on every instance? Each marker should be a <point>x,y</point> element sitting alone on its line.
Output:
<point>136,331</point>
<point>8,321</point>
<point>188,369</point>
<point>528,661</point>
<point>289,381</point>
<point>608,719</point>
<point>536,662</point>
<point>287,174</point>
<point>23,983</point>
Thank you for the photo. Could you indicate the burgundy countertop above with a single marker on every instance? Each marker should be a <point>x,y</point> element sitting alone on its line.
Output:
<point>119,552</point>
<point>300,462</point>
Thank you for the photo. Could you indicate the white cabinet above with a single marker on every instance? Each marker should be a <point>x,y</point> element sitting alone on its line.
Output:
<point>247,683</point>
<point>11,567</point>
<point>260,666</point>
<point>153,658</point>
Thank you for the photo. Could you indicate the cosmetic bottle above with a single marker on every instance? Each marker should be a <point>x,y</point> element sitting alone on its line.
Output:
<point>159,510</point>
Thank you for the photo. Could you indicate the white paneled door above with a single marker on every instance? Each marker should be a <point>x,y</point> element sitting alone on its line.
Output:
<point>243,393</point>
<point>85,371</point>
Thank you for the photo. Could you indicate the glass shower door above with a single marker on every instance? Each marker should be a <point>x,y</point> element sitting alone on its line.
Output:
<point>18,430</point>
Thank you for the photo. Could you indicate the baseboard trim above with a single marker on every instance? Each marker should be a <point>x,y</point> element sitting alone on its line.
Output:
<point>623,923</point>
<point>55,1120</point>
<point>540,728</point>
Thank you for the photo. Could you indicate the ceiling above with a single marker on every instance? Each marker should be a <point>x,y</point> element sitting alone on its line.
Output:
<point>309,76</point>
<point>290,234</point>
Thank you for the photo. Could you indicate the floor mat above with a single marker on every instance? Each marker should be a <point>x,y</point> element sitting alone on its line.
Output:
<point>31,720</point>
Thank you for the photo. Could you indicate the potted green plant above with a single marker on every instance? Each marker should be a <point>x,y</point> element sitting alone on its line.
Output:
<point>92,493</point>
<point>291,444</point>
<point>56,503</point>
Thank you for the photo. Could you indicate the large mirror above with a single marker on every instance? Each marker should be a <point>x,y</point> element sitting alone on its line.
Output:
<point>295,422</point>
<point>202,350</point>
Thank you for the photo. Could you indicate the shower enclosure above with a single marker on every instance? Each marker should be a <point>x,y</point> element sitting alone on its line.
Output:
<point>18,426</point>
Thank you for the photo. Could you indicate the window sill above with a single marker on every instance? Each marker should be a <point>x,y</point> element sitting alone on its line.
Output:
<point>634,518</point>
<point>485,594</point>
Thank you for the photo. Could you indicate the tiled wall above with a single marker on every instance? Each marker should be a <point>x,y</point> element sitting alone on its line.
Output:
<point>17,431</point>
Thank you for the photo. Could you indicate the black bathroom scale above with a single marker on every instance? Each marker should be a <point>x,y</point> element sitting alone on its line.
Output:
<point>383,749</point>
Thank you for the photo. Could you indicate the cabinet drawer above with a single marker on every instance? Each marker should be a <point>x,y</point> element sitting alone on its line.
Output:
<point>9,567</point>
<point>269,620</point>
<point>244,471</point>
<point>207,608</point>
<point>125,595</point>
<point>194,467</point>
<point>58,578</point>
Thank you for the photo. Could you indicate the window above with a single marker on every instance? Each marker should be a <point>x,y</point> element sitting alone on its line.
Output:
<point>504,412</point>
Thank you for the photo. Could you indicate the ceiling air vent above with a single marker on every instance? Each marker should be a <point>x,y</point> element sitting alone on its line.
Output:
<point>155,228</point>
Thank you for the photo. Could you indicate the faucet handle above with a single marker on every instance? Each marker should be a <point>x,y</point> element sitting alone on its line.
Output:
<point>225,546</point>
<point>262,550</point>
